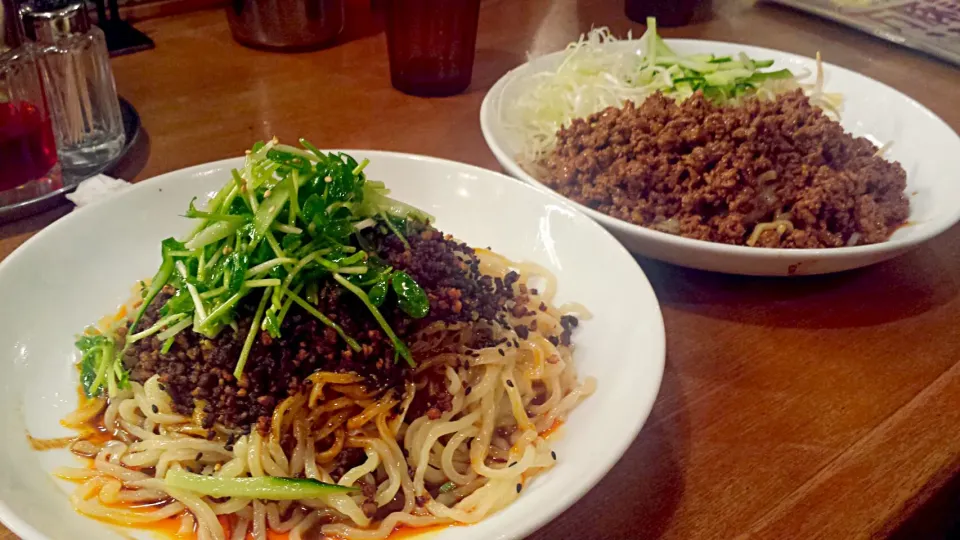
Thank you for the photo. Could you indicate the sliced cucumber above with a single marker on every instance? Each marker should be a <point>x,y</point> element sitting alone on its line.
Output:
<point>271,488</point>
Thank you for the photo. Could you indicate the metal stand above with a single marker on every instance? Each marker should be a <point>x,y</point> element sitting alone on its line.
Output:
<point>122,37</point>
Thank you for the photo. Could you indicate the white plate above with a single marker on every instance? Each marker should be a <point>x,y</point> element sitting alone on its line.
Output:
<point>83,267</point>
<point>928,149</point>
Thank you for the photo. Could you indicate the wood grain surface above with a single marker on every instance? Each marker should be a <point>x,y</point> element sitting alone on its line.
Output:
<point>820,407</point>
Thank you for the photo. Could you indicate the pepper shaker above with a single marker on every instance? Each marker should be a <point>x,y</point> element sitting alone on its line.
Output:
<point>81,93</point>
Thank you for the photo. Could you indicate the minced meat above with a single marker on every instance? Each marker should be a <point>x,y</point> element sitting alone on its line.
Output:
<point>197,369</point>
<point>714,172</point>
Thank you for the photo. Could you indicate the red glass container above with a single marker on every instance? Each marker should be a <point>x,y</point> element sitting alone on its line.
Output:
<point>432,45</point>
<point>28,150</point>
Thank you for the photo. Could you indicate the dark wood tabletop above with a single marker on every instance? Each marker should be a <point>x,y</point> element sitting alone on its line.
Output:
<point>818,407</point>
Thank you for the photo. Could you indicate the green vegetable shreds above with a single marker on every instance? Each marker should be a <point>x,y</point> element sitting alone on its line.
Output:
<point>283,224</point>
<point>599,71</point>
<point>100,367</point>
<point>271,488</point>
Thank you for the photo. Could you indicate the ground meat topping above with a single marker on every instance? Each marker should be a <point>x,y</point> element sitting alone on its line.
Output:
<point>450,273</point>
<point>198,369</point>
<point>715,172</point>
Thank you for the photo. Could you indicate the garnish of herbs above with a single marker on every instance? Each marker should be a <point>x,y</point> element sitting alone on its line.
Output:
<point>284,225</point>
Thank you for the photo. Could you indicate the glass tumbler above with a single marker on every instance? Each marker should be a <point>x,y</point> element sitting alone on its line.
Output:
<point>667,12</point>
<point>431,44</point>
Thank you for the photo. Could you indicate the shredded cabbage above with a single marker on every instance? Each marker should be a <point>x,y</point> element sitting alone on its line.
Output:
<point>599,71</point>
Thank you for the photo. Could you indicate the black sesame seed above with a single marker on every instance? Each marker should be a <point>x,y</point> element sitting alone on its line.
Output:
<point>162,387</point>
<point>468,390</point>
<point>199,455</point>
<point>501,352</point>
<point>519,487</point>
<point>509,383</point>
<point>155,409</point>
<point>512,464</point>
<point>553,455</point>
<point>228,448</point>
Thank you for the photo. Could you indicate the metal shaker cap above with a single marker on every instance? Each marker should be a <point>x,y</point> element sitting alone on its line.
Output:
<point>46,21</point>
<point>11,32</point>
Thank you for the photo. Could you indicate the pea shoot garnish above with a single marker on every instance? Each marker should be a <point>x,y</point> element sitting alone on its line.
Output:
<point>282,226</point>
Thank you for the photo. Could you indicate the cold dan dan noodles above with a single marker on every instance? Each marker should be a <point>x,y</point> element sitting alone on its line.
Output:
<point>315,358</point>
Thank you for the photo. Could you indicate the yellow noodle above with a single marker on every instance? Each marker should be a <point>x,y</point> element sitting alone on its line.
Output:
<point>485,444</point>
<point>87,411</point>
<point>331,453</point>
<point>368,414</point>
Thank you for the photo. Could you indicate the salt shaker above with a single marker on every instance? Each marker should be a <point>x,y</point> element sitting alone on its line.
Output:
<point>81,93</point>
<point>28,157</point>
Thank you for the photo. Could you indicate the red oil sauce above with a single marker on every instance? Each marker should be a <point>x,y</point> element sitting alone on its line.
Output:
<point>400,533</point>
<point>904,225</point>
<point>421,533</point>
<point>97,437</point>
<point>169,529</point>
<point>27,147</point>
<point>557,424</point>
<point>94,431</point>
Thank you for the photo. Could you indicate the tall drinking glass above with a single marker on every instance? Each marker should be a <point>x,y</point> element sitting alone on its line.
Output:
<point>667,12</point>
<point>431,44</point>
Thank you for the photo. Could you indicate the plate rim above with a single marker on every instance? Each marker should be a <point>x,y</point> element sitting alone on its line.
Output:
<point>489,118</point>
<point>656,357</point>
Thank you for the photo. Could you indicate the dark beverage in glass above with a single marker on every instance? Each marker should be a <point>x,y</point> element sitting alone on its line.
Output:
<point>667,12</point>
<point>431,44</point>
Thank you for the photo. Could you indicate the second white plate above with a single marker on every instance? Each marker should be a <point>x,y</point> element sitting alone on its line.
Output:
<point>925,145</point>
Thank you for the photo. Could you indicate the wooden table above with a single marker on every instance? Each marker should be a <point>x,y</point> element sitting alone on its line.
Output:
<point>822,407</point>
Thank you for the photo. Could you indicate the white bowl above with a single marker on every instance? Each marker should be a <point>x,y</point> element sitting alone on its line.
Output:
<point>83,267</point>
<point>928,149</point>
